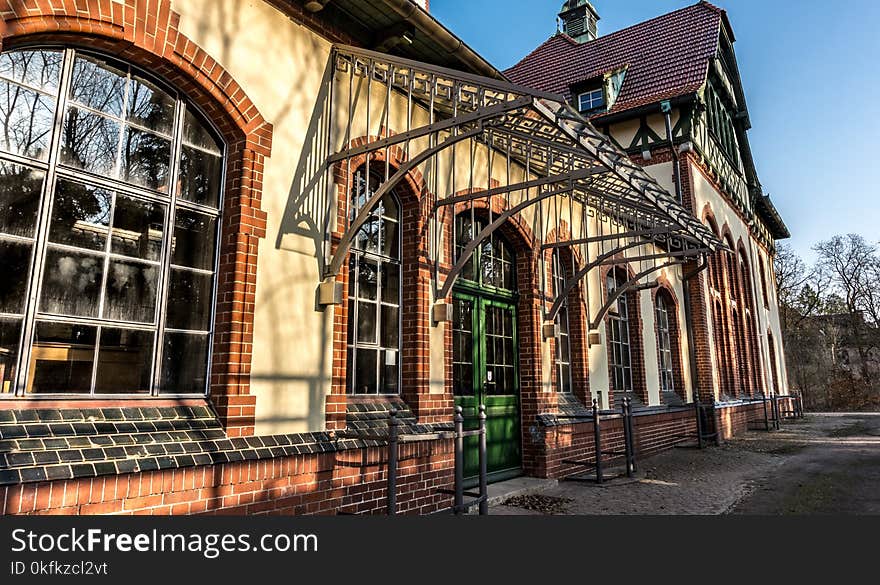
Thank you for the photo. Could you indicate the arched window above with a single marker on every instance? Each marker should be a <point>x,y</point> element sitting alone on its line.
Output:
<point>774,370</point>
<point>492,263</point>
<point>563,340</point>
<point>110,190</point>
<point>763,273</point>
<point>750,317</point>
<point>665,317</point>
<point>374,294</point>
<point>619,345</point>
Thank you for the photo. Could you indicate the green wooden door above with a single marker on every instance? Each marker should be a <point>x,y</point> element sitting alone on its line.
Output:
<point>485,372</point>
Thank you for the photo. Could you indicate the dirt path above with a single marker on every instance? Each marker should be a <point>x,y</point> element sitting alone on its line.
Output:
<point>834,469</point>
<point>822,464</point>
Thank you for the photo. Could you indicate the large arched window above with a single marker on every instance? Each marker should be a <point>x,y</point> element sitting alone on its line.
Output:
<point>563,340</point>
<point>374,294</point>
<point>619,338</point>
<point>750,318</point>
<point>665,326</point>
<point>110,189</point>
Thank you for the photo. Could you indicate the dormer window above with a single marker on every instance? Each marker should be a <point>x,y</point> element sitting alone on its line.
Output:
<point>589,101</point>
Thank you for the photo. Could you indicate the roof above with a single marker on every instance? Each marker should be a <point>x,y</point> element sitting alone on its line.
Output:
<point>399,27</point>
<point>665,57</point>
<point>772,219</point>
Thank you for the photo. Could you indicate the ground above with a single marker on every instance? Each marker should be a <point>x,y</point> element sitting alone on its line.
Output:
<point>822,464</point>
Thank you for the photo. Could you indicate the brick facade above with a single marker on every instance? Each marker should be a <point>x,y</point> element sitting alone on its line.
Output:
<point>327,483</point>
<point>351,478</point>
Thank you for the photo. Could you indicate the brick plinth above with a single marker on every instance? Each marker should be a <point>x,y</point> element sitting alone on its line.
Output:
<point>351,481</point>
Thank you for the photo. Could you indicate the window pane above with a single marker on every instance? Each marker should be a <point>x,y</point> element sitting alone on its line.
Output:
<point>365,375</point>
<point>195,240</point>
<point>150,107</point>
<point>368,274</point>
<point>98,85</point>
<point>184,364</point>
<point>367,238</point>
<point>26,120</point>
<point>145,159</point>
<point>366,323</point>
<point>196,134</point>
<point>391,283</point>
<point>200,176</point>
<point>10,333</point>
<point>71,283</point>
<point>564,349</point>
<point>390,372</point>
<point>131,291</point>
<point>189,300</point>
<point>16,259</point>
<point>389,327</point>
<point>390,237</point>
<point>20,189</point>
<point>137,228</point>
<point>34,68</point>
<point>62,358</point>
<point>389,207</point>
<point>80,216</point>
<point>124,361</point>
<point>89,142</point>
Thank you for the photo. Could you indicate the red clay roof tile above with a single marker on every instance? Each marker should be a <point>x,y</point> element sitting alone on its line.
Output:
<point>665,57</point>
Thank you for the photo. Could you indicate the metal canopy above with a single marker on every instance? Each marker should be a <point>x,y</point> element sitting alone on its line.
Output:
<point>550,168</point>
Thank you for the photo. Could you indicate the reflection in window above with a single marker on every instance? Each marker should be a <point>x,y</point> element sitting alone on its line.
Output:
<point>563,340</point>
<point>121,239</point>
<point>491,263</point>
<point>620,356</point>
<point>28,92</point>
<point>374,295</point>
<point>665,315</point>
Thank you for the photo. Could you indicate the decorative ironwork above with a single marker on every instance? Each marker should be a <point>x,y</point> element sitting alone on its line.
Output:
<point>521,153</point>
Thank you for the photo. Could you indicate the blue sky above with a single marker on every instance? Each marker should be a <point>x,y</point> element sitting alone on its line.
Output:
<point>812,81</point>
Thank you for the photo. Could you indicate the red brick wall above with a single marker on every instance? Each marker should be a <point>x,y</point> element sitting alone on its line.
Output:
<point>307,484</point>
<point>654,433</point>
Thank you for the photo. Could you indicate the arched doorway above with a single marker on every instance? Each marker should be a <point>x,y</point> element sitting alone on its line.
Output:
<point>485,361</point>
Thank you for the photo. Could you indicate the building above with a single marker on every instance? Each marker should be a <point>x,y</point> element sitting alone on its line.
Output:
<point>235,235</point>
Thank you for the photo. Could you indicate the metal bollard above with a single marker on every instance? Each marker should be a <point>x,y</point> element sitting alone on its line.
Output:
<point>698,409</point>
<point>766,418</point>
<point>631,464</point>
<point>776,412</point>
<point>392,462</point>
<point>597,439</point>
<point>624,408</point>
<point>458,503</point>
<point>484,465</point>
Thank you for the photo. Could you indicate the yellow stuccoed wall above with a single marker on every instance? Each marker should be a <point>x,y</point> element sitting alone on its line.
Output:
<point>280,65</point>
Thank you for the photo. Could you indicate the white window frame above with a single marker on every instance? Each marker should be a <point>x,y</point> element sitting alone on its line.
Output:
<point>590,100</point>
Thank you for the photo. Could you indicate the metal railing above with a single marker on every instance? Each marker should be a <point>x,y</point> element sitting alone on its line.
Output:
<point>597,463</point>
<point>393,440</point>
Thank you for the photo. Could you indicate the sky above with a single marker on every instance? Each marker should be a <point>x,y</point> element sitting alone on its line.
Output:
<point>812,81</point>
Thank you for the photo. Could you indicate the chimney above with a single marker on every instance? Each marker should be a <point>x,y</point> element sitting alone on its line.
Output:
<point>423,4</point>
<point>579,20</point>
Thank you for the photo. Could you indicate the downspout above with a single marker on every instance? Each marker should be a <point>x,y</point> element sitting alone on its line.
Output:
<point>666,108</point>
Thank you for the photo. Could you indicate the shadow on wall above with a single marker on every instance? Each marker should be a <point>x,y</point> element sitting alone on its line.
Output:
<point>292,389</point>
